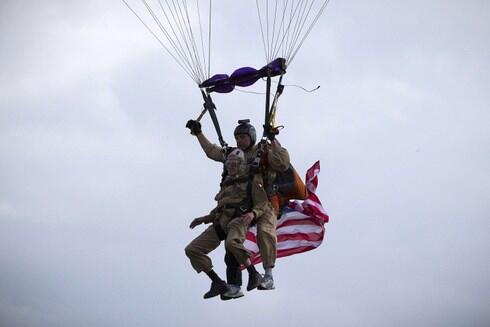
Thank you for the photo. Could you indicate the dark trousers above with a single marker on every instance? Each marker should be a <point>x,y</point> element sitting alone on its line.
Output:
<point>233,271</point>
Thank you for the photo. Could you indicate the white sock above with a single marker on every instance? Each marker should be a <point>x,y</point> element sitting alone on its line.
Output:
<point>268,271</point>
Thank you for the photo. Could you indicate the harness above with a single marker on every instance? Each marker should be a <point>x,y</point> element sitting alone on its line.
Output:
<point>240,208</point>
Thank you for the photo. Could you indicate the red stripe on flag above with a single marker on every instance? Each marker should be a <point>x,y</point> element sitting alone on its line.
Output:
<point>314,237</point>
<point>298,223</point>
<point>251,237</point>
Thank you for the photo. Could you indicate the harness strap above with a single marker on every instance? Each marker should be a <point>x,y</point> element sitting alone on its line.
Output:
<point>234,181</point>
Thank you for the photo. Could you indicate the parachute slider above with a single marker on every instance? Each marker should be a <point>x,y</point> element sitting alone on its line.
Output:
<point>244,76</point>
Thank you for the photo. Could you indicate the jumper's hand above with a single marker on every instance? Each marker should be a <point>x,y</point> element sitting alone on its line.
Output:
<point>197,221</point>
<point>194,126</point>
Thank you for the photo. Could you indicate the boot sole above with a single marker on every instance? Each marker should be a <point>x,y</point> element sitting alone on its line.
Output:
<point>226,298</point>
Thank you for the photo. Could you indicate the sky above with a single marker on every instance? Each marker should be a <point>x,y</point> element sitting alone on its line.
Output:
<point>100,179</point>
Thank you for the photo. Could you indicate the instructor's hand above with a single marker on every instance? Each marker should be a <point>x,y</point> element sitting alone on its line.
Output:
<point>248,217</point>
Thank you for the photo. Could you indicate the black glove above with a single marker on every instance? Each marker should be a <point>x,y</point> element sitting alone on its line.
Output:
<point>194,126</point>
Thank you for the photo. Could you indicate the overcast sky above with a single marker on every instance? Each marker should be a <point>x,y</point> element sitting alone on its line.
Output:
<point>99,179</point>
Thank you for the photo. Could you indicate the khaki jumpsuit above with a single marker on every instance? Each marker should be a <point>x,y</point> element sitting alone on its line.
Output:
<point>226,216</point>
<point>277,161</point>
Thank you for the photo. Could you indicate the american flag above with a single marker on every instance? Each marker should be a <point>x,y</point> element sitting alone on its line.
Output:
<point>301,225</point>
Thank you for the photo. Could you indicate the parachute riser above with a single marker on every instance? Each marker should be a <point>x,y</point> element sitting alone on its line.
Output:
<point>270,109</point>
<point>210,107</point>
<point>272,115</point>
<point>255,165</point>
<point>267,104</point>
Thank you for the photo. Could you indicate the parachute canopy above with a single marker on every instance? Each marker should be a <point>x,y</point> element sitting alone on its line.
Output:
<point>244,76</point>
<point>183,29</point>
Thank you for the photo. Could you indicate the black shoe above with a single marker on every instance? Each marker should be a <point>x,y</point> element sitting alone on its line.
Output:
<point>217,288</point>
<point>254,280</point>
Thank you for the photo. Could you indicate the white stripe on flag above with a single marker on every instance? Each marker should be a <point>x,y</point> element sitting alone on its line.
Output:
<point>251,246</point>
<point>295,229</point>
<point>293,215</point>
<point>296,244</point>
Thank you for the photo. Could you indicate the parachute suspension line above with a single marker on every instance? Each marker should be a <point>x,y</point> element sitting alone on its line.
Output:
<point>193,42</point>
<point>291,15</point>
<point>325,3</point>
<point>202,64</point>
<point>178,48</point>
<point>273,30</point>
<point>167,35</point>
<point>209,39</point>
<point>186,36</point>
<point>288,24</point>
<point>299,23</point>
<point>262,30</point>
<point>206,64</point>
<point>277,46</point>
<point>202,40</point>
<point>287,32</point>
<point>300,27</point>
<point>251,92</point>
<point>182,65</point>
<point>169,21</point>
<point>271,50</point>
<point>174,25</point>
<point>205,68</point>
<point>267,25</point>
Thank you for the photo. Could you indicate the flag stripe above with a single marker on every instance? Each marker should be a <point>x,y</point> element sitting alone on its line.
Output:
<point>314,237</point>
<point>304,229</point>
<point>303,222</point>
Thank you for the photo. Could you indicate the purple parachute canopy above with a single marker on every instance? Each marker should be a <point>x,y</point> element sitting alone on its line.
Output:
<point>222,81</point>
<point>244,77</point>
<point>276,67</point>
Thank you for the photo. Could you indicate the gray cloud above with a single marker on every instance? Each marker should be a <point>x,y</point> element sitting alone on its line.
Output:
<point>100,179</point>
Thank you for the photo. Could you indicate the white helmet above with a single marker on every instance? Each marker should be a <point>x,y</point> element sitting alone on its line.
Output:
<point>235,162</point>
